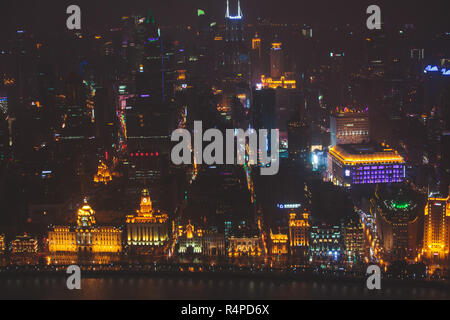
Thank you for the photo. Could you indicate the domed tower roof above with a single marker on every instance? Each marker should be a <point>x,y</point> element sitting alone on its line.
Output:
<point>85,215</point>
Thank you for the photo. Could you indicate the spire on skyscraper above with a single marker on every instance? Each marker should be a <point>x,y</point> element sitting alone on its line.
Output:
<point>239,13</point>
<point>239,9</point>
<point>227,14</point>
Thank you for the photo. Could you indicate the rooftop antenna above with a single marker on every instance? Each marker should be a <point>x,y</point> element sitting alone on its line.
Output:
<point>239,9</point>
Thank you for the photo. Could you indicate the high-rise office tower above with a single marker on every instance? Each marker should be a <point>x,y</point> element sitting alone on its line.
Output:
<point>263,109</point>
<point>353,237</point>
<point>276,59</point>
<point>444,164</point>
<point>436,238</point>
<point>256,60</point>
<point>397,212</point>
<point>236,56</point>
<point>299,140</point>
<point>148,113</point>
<point>349,126</point>
<point>105,119</point>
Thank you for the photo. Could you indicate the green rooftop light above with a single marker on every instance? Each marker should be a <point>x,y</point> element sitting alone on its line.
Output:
<point>200,12</point>
<point>400,205</point>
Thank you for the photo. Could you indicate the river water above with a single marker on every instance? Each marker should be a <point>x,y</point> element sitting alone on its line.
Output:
<point>199,288</point>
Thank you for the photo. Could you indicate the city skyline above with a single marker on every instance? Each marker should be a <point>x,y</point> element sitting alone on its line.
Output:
<point>227,139</point>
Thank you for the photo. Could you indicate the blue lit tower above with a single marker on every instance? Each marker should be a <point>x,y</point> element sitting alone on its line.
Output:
<point>234,28</point>
<point>236,60</point>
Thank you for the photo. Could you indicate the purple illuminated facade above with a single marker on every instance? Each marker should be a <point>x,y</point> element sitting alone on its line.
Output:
<point>361,164</point>
<point>377,173</point>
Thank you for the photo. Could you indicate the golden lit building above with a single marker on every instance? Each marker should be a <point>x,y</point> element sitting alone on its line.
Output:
<point>279,243</point>
<point>276,60</point>
<point>256,44</point>
<point>244,246</point>
<point>436,238</point>
<point>86,236</point>
<point>148,228</point>
<point>352,164</point>
<point>282,82</point>
<point>190,240</point>
<point>103,175</point>
<point>278,77</point>
<point>299,230</point>
<point>2,243</point>
<point>24,244</point>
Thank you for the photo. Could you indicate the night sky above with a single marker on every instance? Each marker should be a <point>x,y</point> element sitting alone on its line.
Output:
<point>97,15</point>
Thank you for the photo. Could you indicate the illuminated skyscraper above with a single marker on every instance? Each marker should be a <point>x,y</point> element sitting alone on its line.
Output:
<point>349,126</point>
<point>2,243</point>
<point>299,140</point>
<point>263,109</point>
<point>353,236</point>
<point>4,135</point>
<point>436,238</point>
<point>276,59</point>
<point>278,77</point>
<point>234,28</point>
<point>397,212</point>
<point>256,45</point>
<point>236,55</point>
<point>256,61</point>
<point>148,108</point>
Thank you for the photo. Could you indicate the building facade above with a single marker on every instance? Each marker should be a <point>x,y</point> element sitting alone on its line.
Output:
<point>436,238</point>
<point>276,59</point>
<point>86,236</point>
<point>103,175</point>
<point>364,164</point>
<point>299,232</point>
<point>236,54</point>
<point>214,244</point>
<point>279,243</point>
<point>326,243</point>
<point>190,240</point>
<point>353,239</point>
<point>24,244</point>
<point>148,228</point>
<point>244,246</point>
<point>2,243</point>
<point>397,216</point>
<point>349,126</point>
